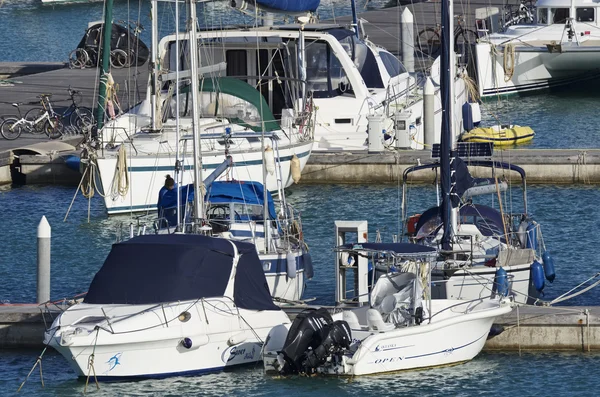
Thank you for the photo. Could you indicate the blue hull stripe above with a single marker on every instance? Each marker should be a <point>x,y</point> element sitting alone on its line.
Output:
<point>190,167</point>
<point>449,350</point>
<point>540,85</point>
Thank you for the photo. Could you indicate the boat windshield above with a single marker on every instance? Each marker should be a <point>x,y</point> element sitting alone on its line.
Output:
<point>559,15</point>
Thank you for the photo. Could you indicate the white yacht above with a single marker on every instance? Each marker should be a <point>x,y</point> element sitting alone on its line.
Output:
<point>561,48</point>
<point>168,305</point>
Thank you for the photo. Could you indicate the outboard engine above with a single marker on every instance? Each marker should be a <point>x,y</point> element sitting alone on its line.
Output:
<point>312,338</point>
<point>308,330</point>
<point>338,338</point>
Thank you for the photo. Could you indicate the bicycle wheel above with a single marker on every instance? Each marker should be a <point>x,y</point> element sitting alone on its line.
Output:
<point>33,115</point>
<point>78,58</point>
<point>463,45</point>
<point>429,43</point>
<point>11,129</point>
<point>54,128</point>
<point>119,58</point>
<point>81,118</point>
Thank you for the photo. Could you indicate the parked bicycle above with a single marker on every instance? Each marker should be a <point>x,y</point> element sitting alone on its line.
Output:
<point>518,14</point>
<point>75,117</point>
<point>47,121</point>
<point>429,40</point>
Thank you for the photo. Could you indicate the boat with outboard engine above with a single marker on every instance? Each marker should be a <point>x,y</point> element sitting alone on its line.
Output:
<point>561,48</point>
<point>169,305</point>
<point>400,328</point>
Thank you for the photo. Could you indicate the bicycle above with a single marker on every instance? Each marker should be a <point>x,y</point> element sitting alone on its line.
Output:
<point>78,117</point>
<point>12,127</point>
<point>429,41</point>
<point>523,14</point>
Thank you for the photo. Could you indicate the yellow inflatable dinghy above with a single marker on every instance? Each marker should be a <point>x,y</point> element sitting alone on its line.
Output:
<point>504,135</point>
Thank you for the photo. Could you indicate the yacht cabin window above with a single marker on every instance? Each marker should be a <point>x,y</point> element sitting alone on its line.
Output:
<point>584,14</point>
<point>559,15</point>
<point>325,75</point>
<point>542,16</point>
<point>393,66</point>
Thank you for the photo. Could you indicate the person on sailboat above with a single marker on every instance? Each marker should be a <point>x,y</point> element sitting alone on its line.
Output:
<point>167,200</point>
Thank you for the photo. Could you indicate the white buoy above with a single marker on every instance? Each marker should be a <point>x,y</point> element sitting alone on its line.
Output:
<point>291,265</point>
<point>408,40</point>
<point>429,113</point>
<point>295,168</point>
<point>270,160</point>
<point>44,233</point>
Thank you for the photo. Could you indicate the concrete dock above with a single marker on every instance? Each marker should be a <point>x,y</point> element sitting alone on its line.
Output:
<point>570,328</point>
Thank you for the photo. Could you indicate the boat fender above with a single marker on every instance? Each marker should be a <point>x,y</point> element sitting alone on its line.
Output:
<point>501,287</point>
<point>419,315</point>
<point>295,168</point>
<point>236,339</point>
<point>548,266</point>
<point>495,330</point>
<point>411,224</point>
<point>537,275</point>
<point>467,115</point>
<point>270,160</point>
<point>531,240</point>
<point>291,265</point>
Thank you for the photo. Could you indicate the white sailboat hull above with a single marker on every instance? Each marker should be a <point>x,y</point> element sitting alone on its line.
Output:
<point>477,282</point>
<point>137,342</point>
<point>146,173</point>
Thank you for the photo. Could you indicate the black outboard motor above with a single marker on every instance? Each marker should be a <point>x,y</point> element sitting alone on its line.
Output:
<point>338,338</point>
<point>308,330</point>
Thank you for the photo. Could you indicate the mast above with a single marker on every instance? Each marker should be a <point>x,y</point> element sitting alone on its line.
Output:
<point>105,69</point>
<point>193,45</point>
<point>354,17</point>
<point>178,177</point>
<point>447,138</point>
<point>153,66</point>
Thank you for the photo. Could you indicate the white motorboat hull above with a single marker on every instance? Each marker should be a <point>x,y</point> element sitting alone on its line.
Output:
<point>478,281</point>
<point>147,173</point>
<point>535,68</point>
<point>136,342</point>
<point>453,336</point>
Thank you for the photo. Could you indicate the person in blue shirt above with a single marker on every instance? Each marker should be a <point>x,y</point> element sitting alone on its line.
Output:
<point>169,185</point>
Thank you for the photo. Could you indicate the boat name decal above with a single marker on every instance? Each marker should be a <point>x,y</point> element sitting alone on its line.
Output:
<point>381,348</point>
<point>234,352</point>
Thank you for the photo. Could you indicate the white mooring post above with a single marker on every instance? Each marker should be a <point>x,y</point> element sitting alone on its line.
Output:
<point>429,113</point>
<point>43,260</point>
<point>408,40</point>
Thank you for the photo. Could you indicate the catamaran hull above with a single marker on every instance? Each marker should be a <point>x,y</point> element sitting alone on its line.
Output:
<point>534,69</point>
<point>478,282</point>
<point>146,174</point>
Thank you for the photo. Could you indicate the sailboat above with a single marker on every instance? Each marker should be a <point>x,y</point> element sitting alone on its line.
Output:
<point>402,327</point>
<point>136,149</point>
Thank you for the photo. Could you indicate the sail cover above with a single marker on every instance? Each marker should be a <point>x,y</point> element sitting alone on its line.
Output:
<point>153,269</point>
<point>290,5</point>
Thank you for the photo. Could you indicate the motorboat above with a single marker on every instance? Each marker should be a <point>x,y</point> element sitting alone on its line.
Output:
<point>168,305</point>
<point>562,47</point>
<point>400,328</point>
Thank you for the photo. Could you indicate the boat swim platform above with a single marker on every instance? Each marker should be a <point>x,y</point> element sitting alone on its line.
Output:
<point>542,166</point>
<point>526,328</point>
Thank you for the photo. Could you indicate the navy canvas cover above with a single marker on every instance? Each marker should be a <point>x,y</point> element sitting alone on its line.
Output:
<point>251,290</point>
<point>290,5</point>
<point>244,192</point>
<point>152,269</point>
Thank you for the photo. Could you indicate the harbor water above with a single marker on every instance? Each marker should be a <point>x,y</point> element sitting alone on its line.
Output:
<point>568,215</point>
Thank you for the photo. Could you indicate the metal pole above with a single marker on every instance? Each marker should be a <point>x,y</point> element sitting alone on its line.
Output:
<point>153,87</point>
<point>44,232</point>
<point>408,40</point>
<point>354,18</point>
<point>198,196</point>
<point>429,112</point>
<point>102,88</point>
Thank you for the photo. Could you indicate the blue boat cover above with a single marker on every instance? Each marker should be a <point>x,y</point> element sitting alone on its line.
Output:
<point>154,269</point>
<point>243,192</point>
<point>399,248</point>
<point>290,5</point>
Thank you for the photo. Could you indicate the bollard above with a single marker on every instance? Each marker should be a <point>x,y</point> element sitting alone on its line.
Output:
<point>408,40</point>
<point>43,261</point>
<point>429,113</point>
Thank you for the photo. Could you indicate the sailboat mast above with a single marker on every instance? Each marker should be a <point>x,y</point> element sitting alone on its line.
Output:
<point>354,17</point>
<point>447,137</point>
<point>102,88</point>
<point>153,82</point>
<point>193,45</point>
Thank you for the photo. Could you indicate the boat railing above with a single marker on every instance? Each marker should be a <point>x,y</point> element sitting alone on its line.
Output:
<point>112,141</point>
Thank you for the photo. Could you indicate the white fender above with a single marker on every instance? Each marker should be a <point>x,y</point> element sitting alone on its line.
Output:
<point>291,265</point>
<point>295,168</point>
<point>270,160</point>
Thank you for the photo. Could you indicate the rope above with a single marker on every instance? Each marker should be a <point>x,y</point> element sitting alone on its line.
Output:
<point>120,182</point>
<point>509,67</point>
<point>38,361</point>
<point>91,366</point>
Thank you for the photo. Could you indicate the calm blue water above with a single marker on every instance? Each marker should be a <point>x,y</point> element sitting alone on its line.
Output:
<point>568,215</point>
